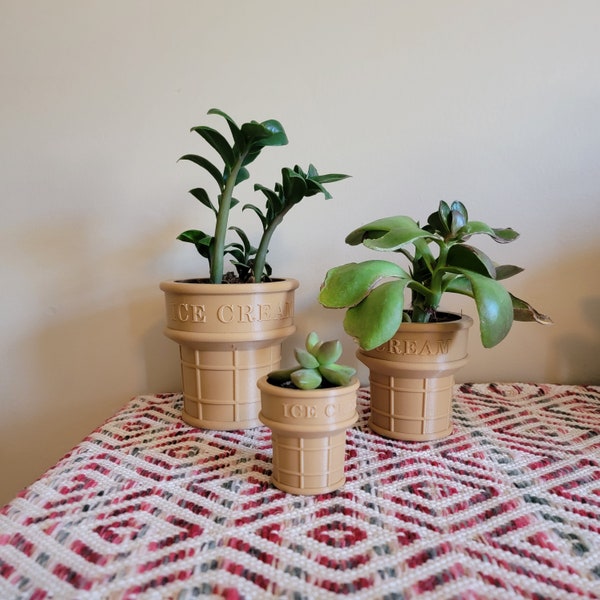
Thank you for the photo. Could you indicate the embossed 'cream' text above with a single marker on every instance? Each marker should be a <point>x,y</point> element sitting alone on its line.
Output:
<point>250,313</point>
<point>413,347</point>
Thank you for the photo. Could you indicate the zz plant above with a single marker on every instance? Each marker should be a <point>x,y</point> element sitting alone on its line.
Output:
<point>440,261</point>
<point>317,368</point>
<point>248,141</point>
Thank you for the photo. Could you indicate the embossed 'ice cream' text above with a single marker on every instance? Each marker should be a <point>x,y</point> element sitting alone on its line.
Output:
<point>232,313</point>
<point>428,347</point>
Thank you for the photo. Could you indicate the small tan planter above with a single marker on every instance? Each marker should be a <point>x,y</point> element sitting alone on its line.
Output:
<point>412,379</point>
<point>229,336</point>
<point>308,435</point>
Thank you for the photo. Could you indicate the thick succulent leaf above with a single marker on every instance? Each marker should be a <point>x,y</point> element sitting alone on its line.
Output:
<point>348,284</point>
<point>329,352</point>
<point>397,238</point>
<point>201,195</point>
<point>438,220</point>
<point>502,236</point>
<point>306,379</point>
<point>380,227</point>
<point>376,319</point>
<point>205,164</point>
<point>280,376</point>
<point>457,220</point>
<point>312,342</point>
<point>337,374</point>
<point>506,271</point>
<point>218,142</point>
<point>459,207</point>
<point>305,359</point>
<point>523,311</point>
<point>473,259</point>
<point>494,306</point>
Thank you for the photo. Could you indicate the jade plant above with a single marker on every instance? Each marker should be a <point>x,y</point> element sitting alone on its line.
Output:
<point>317,366</point>
<point>440,260</point>
<point>247,142</point>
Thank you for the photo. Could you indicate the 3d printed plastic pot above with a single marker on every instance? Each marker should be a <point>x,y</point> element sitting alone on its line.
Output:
<point>308,432</point>
<point>229,336</point>
<point>412,378</point>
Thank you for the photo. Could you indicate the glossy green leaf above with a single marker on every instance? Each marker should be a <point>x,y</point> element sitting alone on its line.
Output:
<point>494,306</point>
<point>218,142</point>
<point>502,236</point>
<point>506,271</point>
<point>408,230</point>
<point>205,164</point>
<point>201,195</point>
<point>376,319</point>
<point>348,284</point>
<point>306,379</point>
<point>523,311</point>
<point>233,127</point>
<point>473,259</point>
<point>257,211</point>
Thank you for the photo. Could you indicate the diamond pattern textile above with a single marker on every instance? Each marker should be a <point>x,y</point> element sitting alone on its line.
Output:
<point>507,506</point>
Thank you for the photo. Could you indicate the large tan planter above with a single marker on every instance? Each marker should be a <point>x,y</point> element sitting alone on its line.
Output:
<point>308,432</point>
<point>229,336</point>
<point>412,379</point>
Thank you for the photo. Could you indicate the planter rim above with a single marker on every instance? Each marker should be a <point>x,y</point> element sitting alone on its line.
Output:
<point>299,394</point>
<point>194,286</point>
<point>461,321</point>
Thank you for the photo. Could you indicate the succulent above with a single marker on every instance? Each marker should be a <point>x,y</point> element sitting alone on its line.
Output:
<point>249,140</point>
<point>317,366</point>
<point>373,290</point>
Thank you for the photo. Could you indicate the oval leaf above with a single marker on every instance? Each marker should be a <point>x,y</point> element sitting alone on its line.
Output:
<point>376,319</point>
<point>306,359</point>
<point>329,352</point>
<point>349,284</point>
<point>306,379</point>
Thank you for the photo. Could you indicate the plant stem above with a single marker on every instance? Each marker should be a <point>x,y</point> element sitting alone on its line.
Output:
<point>260,258</point>
<point>218,250</point>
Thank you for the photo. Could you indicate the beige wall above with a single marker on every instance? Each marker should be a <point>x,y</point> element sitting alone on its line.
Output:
<point>493,103</point>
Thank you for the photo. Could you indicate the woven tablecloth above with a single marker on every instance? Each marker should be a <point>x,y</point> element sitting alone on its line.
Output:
<point>506,507</point>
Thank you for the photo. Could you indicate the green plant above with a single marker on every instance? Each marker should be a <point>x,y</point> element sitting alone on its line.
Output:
<point>373,291</point>
<point>248,140</point>
<point>317,366</point>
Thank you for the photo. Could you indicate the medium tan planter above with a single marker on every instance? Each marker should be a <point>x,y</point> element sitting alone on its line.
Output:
<point>412,379</point>
<point>308,432</point>
<point>229,336</point>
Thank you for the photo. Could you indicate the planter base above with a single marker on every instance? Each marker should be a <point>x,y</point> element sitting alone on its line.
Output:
<point>411,409</point>
<point>219,386</point>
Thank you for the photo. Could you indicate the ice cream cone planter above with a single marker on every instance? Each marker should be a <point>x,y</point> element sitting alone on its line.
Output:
<point>412,379</point>
<point>229,336</point>
<point>308,435</point>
